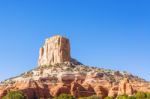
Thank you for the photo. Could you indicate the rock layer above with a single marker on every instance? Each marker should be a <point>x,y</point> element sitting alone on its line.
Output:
<point>78,80</point>
<point>55,50</point>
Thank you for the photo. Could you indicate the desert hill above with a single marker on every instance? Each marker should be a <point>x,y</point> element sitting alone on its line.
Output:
<point>57,72</point>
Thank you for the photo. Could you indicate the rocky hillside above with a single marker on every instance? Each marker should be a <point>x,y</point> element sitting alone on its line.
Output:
<point>71,70</point>
<point>59,73</point>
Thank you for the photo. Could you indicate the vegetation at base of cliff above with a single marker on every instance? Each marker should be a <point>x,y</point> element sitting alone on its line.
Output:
<point>138,95</point>
<point>20,95</point>
<point>65,96</point>
<point>141,95</point>
<point>91,97</point>
<point>14,95</point>
<point>126,97</point>
<point>108,97</point>
<point>148,95</point>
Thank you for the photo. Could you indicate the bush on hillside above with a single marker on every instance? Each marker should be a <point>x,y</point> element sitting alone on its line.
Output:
<point>131,97</point>
<point>148,95</point>
<point>91,97</point>
<point>140,95</point>
<point>14,95</point>
<point>65,96</point>
<point>122,97</point>
<point>108,97</point>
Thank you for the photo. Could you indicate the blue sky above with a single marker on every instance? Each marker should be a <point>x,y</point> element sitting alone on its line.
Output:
<point>111,34</point>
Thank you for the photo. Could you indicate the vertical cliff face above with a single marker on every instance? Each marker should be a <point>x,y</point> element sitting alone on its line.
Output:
<point>55,50</point>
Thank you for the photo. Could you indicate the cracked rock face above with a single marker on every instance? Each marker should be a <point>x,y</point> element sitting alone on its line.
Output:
<point>55,50</point>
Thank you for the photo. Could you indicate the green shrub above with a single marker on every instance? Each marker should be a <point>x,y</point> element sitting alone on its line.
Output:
<point>140,95</point>
<point>91,97</point>
<point>122,97</point>
<point>14,95</point>
<point>65,96</point>
<point>94,97</point>
<point>108,97</point>
<point>131,97</point>
<point>83,98</point>
<point>147,95</point>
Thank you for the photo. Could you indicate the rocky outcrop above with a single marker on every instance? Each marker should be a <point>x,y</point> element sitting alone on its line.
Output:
<point>101,91</point>
<point>80,90</point>
<point>125,87</point>
<point>45,82</point>
<point>30,88</point>
<point>113,92</point>
<point>58,89</point>
<point>55,50</point>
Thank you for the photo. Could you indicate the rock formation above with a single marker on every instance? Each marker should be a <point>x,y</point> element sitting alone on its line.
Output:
<point>55,50</point>
<point>67,75</point>
<point>113,92</point>
<point>125,87</point>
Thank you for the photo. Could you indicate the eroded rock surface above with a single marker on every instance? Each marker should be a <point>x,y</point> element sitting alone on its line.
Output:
<point>77,80</point>
<point>125,87</point>
<point>55,50</point>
